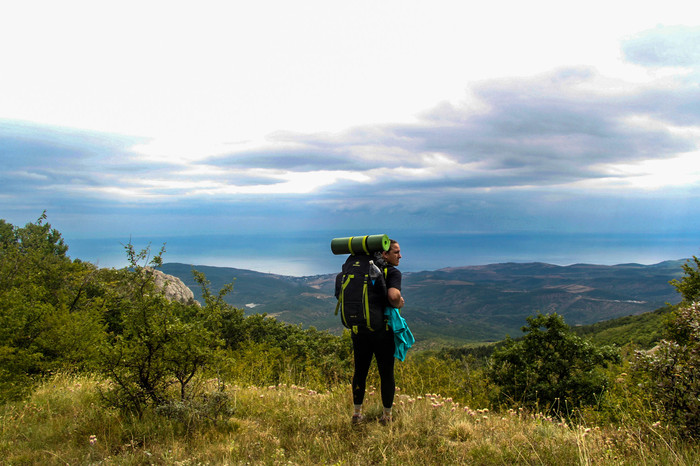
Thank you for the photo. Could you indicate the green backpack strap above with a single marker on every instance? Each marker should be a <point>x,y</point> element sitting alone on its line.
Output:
<point>365,304</point>
<point>341,300</point>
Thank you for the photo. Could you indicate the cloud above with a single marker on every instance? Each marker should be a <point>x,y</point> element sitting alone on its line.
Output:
<point>549,130</point>
<point>48,165</point>
<point>570,149</point>
<point>302,159</point>
<point>665,46</point>
<point>533,134</point>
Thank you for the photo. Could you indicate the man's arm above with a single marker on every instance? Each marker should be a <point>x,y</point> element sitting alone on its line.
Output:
<point>393,288</point>
<point>394,297</point>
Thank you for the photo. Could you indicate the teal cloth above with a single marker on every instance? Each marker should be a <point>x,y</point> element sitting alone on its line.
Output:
<point>403,338</point>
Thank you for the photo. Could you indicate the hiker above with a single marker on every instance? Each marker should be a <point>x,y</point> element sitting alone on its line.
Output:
<point>378,343</point>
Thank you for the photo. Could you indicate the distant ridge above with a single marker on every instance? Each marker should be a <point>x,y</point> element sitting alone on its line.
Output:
<point>462,304</point>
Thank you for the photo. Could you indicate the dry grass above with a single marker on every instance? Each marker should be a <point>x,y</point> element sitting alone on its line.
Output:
<point>65,423</point>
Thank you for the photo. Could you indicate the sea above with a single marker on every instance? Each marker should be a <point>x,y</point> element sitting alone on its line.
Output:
<point>309,254</point>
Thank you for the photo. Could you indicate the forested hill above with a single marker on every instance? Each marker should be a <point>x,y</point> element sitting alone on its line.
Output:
<point>475,303</point>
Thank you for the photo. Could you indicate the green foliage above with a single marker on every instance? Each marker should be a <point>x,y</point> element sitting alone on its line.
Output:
<point>643,330</point>
<point>689,285</point>
<point>157,343</point>
<point>461,379</point>
<point>63,422</point>
<point>271,352</point>
<point>48,317</point>
<point>263,350</point>
<point>550,366</point>
<point>673,370</point>
<point>58,314</point>
<point>480,354</point>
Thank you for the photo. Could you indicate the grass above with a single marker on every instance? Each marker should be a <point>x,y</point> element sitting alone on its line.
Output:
<point>65,422</point>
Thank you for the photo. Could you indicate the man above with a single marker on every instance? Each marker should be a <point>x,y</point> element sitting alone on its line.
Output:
<point>379,343</point>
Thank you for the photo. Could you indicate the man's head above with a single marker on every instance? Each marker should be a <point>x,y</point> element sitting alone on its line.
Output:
<point>393,255</point>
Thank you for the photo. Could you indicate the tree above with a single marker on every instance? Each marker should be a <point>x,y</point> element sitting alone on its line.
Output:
<point>48,320</point>
<point>689,285</point>
<point>155,343</point>
<point>550,367</point>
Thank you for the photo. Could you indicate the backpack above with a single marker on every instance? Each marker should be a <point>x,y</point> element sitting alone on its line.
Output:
<point>361,295</point>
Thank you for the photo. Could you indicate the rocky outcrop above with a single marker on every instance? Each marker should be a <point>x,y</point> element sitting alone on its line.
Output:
<point>173,287</point>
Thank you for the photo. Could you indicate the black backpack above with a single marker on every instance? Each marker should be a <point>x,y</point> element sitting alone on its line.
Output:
<point>361,295</point>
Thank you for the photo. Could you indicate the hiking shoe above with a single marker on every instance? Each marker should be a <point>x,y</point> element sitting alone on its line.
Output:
<point>385,420</point>
<point>357,418</point>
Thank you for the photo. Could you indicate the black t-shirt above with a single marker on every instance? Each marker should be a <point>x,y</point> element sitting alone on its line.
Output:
<point>393,277</point>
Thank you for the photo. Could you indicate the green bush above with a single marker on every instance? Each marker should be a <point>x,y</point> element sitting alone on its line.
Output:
<point>674,371</point>
<point>671,370</point>
<point>550,368</point>
<point>156,343</point>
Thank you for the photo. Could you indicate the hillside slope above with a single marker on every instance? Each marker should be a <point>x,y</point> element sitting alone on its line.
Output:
<point>643,330</point>
<point>476,303</point>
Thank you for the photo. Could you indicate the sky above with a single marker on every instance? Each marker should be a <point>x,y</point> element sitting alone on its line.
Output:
<point>249,134</point>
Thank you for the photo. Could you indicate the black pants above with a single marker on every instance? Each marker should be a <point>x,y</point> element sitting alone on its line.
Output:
<point>380,345</point>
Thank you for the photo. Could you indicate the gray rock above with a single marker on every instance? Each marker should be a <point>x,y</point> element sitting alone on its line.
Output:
<point>173,288</point>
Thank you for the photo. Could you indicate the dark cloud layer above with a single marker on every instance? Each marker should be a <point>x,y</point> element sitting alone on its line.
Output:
<point>528,122</point>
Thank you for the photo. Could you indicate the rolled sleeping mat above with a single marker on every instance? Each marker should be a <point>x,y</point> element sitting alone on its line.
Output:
<point>360,244</point>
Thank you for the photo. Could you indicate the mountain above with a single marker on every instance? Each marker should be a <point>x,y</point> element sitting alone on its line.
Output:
<point>463,304</point>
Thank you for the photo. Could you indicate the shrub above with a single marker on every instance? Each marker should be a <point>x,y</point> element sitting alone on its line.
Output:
<point>156,343</point>
<point>674,370</point>
<point>550,367</point>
